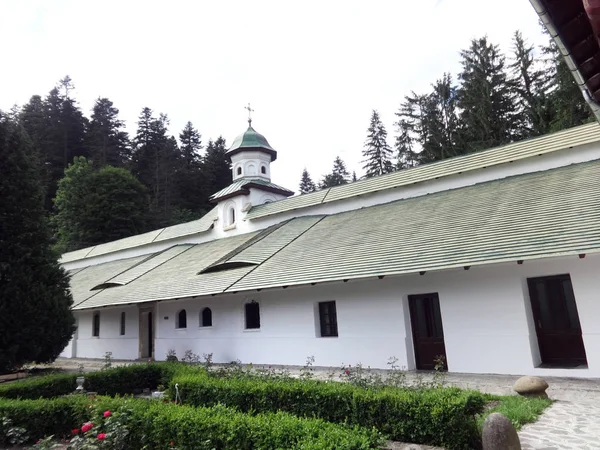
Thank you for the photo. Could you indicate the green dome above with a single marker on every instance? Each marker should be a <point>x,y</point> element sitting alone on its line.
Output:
<point>251,140</point>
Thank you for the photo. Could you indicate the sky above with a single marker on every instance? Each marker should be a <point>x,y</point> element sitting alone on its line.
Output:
<point>313,70</point>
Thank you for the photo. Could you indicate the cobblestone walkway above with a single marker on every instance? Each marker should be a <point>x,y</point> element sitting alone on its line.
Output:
<point>564,426</point>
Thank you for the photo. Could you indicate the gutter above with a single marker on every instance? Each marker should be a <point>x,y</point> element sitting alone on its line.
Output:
<point>541,11</point>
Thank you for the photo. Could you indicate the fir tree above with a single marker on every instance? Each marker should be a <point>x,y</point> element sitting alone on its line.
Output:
<point>532,86</point>
<point>108,143</point>
<point>216,166</point>
<point>307,185</point>
<point>338,176</point>
<point>485,97</point>
<point>190,179</point>
<point>569,108</point>
<point>354,177</point>
<point>36,321</point>
<point>377,152</point>
<point>98,206</point>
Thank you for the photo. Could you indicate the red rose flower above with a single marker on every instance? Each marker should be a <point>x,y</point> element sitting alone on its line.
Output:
<point>106,413</point>
<point>347,372</point>
<point>101,436</point>
<point>75,431</point>
<point>87,427</point>
<point>171,443</point>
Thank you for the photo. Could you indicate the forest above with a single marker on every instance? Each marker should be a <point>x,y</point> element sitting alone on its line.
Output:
<point>100,184</point>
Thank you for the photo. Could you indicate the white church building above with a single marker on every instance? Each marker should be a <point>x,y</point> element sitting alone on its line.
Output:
<point>490,260</point>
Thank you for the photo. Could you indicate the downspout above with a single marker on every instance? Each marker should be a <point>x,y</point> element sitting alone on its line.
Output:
<point>540,9</point>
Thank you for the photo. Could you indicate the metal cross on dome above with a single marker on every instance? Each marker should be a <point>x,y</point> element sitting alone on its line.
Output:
<point>250,111</point>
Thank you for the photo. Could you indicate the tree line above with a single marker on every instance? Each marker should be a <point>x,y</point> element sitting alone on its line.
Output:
<point>101,184</point>
<point>495,100</point>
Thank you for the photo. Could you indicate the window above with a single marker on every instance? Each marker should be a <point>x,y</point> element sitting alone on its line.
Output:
<point>231,216</point>
<point>328,319</point>
<point>263,169</point>
<point>122,324</point>
<point>206,318</point>
<point>181,319</point>
<point>96,325</point>
<point>239,171</point>
<point>252,316</point>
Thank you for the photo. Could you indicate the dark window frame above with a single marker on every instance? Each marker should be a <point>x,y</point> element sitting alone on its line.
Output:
<point>122,329</point>
<point>96,325</point>
<point>206,317</point>
<point>263,170</point>
<point>328,325</point>
<point>182,313</point>
<point>239,170</point>
<point>252,316</point>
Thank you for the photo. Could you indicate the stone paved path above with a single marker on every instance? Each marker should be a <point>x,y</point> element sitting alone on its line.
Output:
<point>565,425</point>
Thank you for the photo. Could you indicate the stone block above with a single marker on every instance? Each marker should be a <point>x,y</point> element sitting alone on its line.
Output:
<point>499,434</point>
<point>531,387</point>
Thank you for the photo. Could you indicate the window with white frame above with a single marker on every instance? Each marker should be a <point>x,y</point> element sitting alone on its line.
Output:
<point>252,315</point>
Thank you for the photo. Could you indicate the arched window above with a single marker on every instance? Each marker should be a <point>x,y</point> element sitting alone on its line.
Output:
<point>96,325</point>
<point>122,324</point>
<point>239,171</point>
<point>231,216</point>
<point>181,319</point>
<point>252,311</point>
<point>263,169</point>
<point>206,318</point>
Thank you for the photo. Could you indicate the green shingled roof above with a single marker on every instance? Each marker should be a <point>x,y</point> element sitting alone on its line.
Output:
<point>205,223</point>
<point>241,186</point>
<point>251,140</point>
<point>537,215</point>
<point>584,134</point>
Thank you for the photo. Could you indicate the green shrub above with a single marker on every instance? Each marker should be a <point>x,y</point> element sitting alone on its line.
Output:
<point>46,416</point>
<point>119,380</point>
<point>153,424</point>
<point>47,386</point>
<point>443,416</point>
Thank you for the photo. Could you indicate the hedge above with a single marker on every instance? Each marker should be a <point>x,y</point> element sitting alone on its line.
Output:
<point>443,417</point>
<point>154,424</point>
<point>118,380</point>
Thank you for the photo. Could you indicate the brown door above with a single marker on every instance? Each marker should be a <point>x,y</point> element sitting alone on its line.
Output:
<point>428,334</point>
<point>556,321</point>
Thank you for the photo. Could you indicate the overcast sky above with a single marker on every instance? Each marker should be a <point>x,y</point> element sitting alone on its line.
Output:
<point>312,70</point>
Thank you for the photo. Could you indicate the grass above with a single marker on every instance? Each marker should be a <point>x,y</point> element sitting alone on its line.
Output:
<point>519,410</point>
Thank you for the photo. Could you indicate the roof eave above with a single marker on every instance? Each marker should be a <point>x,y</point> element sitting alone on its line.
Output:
<point>548,22</point>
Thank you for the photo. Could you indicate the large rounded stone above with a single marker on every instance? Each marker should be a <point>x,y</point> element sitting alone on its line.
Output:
<point>499,434</point>
<point>531,387</point>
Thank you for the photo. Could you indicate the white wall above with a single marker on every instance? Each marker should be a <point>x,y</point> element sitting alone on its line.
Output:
<point>122,347</point>
<point>486,317</point>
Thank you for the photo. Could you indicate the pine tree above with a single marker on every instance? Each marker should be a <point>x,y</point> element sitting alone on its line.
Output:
<point>568,106</point>
<point>532,86</point>
<point>98,206</point>
<point>377,152</point>
<point>216,166</point>
<point>354,177</point>
<point>191,145</point>
<point>485,97</point>
<point>307,185</point>
<point>338,176</point>
<point>155,162</point>
<point>36,321</point>
<point>107,142</point>
<point>190,179</point>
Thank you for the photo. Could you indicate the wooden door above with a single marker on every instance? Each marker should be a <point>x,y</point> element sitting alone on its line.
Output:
<point>557,321</point>
<point>427,330</point>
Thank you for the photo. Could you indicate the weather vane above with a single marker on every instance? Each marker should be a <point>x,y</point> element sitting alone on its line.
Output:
<point>250,111</point>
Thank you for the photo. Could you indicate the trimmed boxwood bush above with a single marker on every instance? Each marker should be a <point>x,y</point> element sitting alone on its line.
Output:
<point>442,416</point>
<point>47,386</point>
<point>154,424</point>
<point>119,380</point>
